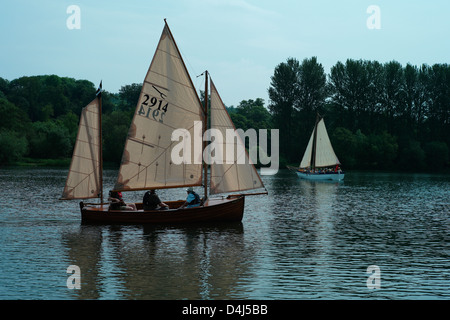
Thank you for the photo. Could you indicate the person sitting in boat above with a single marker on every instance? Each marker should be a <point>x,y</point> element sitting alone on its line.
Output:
<point>117,202</point>
<point>192,200</point>
<point>152,202</point>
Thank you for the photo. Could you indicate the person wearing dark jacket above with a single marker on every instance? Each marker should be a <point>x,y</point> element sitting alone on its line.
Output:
<point>152,202</point>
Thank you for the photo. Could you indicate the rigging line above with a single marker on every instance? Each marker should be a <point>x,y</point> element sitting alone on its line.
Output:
<point>202,84</point>
<point>191,67</point>
<point>145,167</point>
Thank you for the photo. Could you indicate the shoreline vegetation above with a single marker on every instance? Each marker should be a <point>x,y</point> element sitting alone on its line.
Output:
<point>65,163</point>
<point>384,117</point>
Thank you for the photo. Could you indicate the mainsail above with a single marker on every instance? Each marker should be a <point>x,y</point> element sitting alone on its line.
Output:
<point>84,178</point>
<point>319,152</point>
<point>234,170</point>
<point>168,101</point>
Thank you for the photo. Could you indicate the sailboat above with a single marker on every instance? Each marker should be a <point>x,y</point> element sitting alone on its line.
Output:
<point>319,161</point>
<point>168,101</point>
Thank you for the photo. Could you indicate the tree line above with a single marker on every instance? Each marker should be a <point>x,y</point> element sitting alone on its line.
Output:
<point>378,116</point>
<point>40,117</point>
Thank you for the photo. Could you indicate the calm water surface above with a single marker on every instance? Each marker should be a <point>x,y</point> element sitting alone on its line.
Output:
<point>306,240</point>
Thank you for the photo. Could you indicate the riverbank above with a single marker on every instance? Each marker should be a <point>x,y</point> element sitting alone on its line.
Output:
<point>61,163</point>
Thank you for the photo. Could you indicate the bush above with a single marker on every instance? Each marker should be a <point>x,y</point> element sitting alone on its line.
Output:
<point>344,144</point>
<point>12,146</point>
<point>49,140</point>
<point>437,155</point>
<point>411,157</point>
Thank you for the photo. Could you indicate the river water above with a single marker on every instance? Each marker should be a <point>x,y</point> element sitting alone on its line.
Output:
<point>305,240</point>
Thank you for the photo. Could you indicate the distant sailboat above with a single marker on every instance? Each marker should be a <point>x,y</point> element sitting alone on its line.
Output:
<point>319,161</point>
<point>168,101</point>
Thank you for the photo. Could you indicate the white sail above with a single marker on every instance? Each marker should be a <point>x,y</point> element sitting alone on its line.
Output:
<point>324,155</point>
<point>168,101</point>
<point>239,174</point>
<point>306,160</point>
<point>84,178</point>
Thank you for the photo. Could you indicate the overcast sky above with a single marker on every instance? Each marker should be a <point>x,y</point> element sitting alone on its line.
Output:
<point>239,42</point>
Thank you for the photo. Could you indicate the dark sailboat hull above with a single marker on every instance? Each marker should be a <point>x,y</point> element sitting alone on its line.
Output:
<point>229,209</point>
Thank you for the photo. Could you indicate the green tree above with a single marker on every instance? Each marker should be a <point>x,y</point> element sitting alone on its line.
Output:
<point>381,150</point>
<point>49,140</point>
<point>411,156</point>
<point>13,118</point>
<point>344,145</point>
<point>115,130</point>
<point>71,122</point>
<point>437,155</point>
<point>4,88</point>
<point>349,85</point>
<point>438,117</point>
<point>394,95</point>
<point>312,86</point>
<point>12,146</point>
<point>129,96</point>
<point>255,114</point>
<point>284,94</point>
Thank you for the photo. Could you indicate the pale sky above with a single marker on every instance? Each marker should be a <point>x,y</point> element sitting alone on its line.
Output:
<point>240,42</point>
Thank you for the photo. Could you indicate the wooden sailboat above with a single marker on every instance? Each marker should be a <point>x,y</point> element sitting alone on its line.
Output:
<point>168,101</point>
<point>319,161</point>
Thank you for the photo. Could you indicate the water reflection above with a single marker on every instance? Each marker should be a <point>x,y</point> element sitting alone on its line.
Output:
<point>301,232</point>
<point>306,240</point>
<point>155,262</point>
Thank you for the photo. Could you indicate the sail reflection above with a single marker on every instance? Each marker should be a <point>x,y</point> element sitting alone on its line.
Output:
<point>301,233</point>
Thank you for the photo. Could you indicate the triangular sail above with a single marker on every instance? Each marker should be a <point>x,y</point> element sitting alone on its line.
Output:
<point>238,174</point>
<point>168,101</point>
<point>84,178</point>
<point>306,160</point>
<point>324,154</point>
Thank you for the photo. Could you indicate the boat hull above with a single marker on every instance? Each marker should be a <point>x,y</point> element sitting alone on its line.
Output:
<point>338,176</point>
<point>214,210</point>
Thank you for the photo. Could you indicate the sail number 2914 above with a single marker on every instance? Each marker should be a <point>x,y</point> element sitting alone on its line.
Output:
<point>153,107</point>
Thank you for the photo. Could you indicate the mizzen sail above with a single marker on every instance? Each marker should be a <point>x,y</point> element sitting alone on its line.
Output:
<point>233,171</point>
<point>84,178</point>
<point>168,101</point>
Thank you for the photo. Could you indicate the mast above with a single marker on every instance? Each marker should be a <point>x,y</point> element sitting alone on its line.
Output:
<point>205,122</point>
<point>100,149</point>
<point>313,152</point>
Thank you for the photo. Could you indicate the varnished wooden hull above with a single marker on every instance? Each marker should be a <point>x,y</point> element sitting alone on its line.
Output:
<point>214,210</point>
